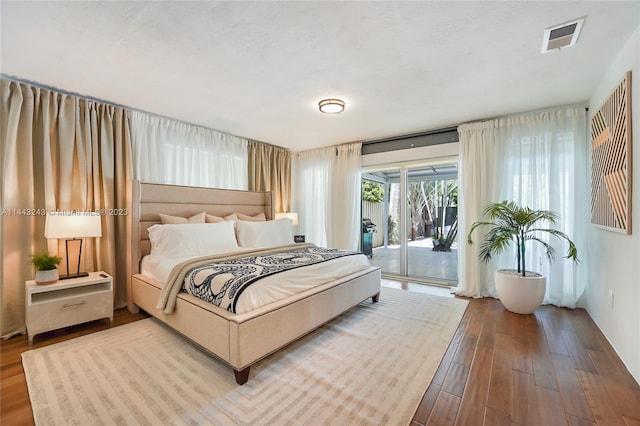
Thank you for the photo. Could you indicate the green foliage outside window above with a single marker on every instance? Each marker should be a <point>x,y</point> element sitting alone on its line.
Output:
<point>372,192</point>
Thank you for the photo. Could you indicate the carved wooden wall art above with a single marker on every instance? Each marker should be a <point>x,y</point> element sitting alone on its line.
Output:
<point>611,161</point>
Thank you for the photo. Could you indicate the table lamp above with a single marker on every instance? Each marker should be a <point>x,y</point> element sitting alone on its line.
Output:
<point>72,226</point>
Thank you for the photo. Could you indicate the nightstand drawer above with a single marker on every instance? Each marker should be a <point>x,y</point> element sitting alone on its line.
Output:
<point>69,311</point>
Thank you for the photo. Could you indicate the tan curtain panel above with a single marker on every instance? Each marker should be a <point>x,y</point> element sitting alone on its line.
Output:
<point>270,170</point>
<point>59,152</point>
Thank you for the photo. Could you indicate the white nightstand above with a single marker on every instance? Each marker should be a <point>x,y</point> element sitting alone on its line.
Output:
<point>68,302</point>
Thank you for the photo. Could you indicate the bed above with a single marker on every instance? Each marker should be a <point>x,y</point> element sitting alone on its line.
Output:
<point>240,340</point>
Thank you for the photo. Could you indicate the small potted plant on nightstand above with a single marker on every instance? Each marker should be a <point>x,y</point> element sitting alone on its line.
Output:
<point>520,291</point>
<point>45,265</point>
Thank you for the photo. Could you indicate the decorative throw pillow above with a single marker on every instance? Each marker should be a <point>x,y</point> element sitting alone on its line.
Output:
<point>260,217</point>
<point>174,220</point>
<point>209,218</point>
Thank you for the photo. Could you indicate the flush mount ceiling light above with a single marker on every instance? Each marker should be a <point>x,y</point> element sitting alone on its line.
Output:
<point>331,106</point>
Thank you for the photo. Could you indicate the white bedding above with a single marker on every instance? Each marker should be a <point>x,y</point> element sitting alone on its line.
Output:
<point>271,288</point>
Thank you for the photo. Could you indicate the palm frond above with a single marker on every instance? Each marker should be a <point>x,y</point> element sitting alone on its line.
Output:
<point>550,251</point>
<point>496,241</point>
<point>572,251</point>
<point>474,226</point>
<point>485,251</point>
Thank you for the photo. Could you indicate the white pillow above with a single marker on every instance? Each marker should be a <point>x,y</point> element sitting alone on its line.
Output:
<point>263,234</point>
<point>192,239</point>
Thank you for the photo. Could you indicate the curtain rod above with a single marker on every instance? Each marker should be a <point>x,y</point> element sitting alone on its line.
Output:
<point>455,128</point>
<point>535,111</point>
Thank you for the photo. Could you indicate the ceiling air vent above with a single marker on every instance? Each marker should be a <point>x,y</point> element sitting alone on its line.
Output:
<point>561,36</point>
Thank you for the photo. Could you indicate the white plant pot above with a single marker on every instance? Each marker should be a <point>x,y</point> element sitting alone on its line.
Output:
<point>47,277</point>
<point>519,294</point>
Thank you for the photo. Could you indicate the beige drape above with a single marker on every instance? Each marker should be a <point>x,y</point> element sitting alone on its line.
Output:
<point>270,170</point>
<point>59,152</point>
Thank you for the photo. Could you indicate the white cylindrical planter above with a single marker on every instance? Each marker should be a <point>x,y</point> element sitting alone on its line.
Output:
<point>47,277</point>
<point>519,294</point>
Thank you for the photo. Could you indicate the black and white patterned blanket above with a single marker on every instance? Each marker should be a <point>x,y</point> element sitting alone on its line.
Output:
<point>222,282</point>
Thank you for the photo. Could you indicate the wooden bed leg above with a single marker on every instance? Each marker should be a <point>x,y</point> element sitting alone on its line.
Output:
<point>242,376</point>
<point>375,297</point>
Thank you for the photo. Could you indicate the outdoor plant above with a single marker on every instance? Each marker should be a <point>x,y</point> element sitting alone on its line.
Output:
<point>443,242</point>
<point>372,192</point>
<point>44,261</point>
<point>510,223</point>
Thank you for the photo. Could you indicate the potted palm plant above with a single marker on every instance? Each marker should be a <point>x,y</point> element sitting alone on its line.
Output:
<point>45,266</point>
<point>519,290</point>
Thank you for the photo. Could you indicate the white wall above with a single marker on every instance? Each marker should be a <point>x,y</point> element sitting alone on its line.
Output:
<point>614,259</point>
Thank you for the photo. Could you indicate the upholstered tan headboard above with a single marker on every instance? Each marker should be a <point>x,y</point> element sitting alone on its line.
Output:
<point>145,202</point>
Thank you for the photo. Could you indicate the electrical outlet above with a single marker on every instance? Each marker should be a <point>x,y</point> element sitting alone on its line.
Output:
<point>611,298</point>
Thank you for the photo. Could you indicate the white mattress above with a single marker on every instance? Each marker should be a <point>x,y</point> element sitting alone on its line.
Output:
<point>274,287</point>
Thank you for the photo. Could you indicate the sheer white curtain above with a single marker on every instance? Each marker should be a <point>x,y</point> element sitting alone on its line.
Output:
<point>344,220</point>
<point>479,183</point>
<point>538,160</point>
<point>313,193</point>
<point>328,195</point>
<point>173,152</point>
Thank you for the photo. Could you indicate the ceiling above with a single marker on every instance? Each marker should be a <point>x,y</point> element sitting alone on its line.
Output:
<point>258,69</point>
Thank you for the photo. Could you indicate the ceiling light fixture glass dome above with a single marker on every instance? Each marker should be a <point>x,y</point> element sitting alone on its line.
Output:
<point>331,106</point>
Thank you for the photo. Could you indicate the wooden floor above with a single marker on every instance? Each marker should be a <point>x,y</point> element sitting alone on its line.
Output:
<point>551,368</point>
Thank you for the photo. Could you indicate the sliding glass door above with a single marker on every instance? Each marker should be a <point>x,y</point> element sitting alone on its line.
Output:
<point>414,210</point>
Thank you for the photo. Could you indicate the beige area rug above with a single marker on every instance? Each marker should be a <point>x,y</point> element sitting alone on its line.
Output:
<point>369,366</point>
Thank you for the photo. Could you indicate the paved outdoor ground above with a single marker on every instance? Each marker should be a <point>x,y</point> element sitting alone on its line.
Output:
<point>423,261</point>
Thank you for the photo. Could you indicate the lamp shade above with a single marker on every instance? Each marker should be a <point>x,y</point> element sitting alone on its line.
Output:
<point>292,216</point>
<point>72,225</point>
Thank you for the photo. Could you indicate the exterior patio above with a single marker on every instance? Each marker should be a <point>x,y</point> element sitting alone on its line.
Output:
<point>424,263</point>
